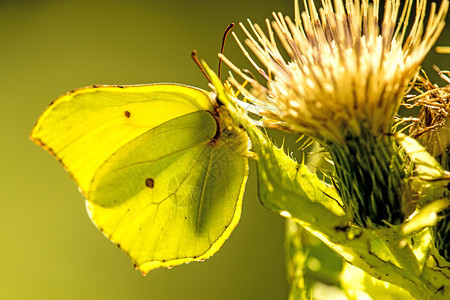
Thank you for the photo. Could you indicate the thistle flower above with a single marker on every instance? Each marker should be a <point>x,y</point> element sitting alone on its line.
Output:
<point>342,84</point>
<point>432,130</point>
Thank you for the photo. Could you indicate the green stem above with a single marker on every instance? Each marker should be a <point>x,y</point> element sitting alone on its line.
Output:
<point>295,261</point>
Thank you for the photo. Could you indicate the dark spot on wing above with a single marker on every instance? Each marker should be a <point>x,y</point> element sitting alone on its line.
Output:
<point>149,183</point>
<point>127,114</point>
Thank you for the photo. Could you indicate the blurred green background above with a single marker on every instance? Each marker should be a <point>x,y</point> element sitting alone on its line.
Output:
<point>49,248</point>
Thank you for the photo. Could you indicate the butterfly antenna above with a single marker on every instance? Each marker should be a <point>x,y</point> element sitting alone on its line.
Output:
<point>224,38</point>
<point>197,62</point>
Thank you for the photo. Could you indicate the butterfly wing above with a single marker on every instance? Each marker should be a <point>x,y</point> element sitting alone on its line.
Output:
<point>170,196</point>
<point>163,171</point>
<point>84,127</point>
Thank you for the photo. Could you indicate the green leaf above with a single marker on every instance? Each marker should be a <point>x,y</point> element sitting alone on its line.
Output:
<point>431,181</point>
<point>359,285</point>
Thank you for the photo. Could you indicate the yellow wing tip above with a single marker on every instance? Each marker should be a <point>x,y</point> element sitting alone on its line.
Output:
<point>146,267</point>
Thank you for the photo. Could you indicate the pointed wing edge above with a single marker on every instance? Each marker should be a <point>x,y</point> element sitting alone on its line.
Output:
<point>146,267</point>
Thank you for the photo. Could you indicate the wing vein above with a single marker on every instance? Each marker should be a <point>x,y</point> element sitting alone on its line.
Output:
<point>202,198</point>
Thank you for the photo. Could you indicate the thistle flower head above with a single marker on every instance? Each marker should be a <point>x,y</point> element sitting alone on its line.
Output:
<point>432,130</point>
<point>348,65</point>
<point>432,126</point>
<point>347,69</point>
